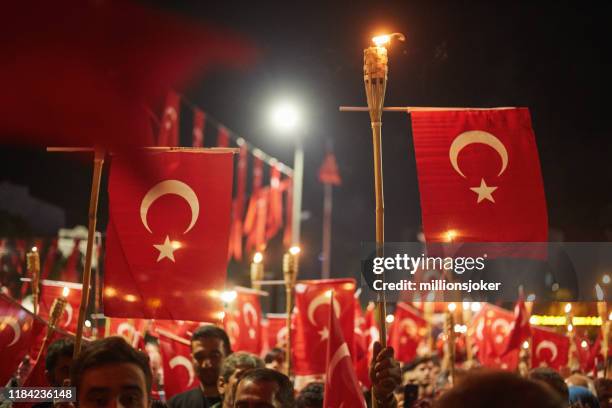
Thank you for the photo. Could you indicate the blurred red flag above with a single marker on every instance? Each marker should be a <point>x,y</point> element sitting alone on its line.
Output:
<point>37,376</point>
<point>479,175</point>
<point>199,119</point>
<point>312,300</point>
<point>341,385</point>
<point>277,330</point>
<point>248,316</point>
<point>360,356</point>
<point>548,348</point>
<point>372,331</point>
<point>490,329</point>
<point>409,329</point>
<point>222,137</point>
<point>169,126</point>
<point>132,330</point>
<point>166,246</point>
<point>235,244</point>
<point>520,329</point>
<point>89,85</point>
<point>70,272</point>
<point>179,374</point>
<point>328,172</point>
<point>19,330</point>
<point>255,218</point>
<point>51,290</point>
<point>274,212</point>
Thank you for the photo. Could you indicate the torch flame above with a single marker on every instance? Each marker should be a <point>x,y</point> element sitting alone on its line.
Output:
<point>382,40</point>
<point>599,293</point>
<point>258,257</point>
<point>65,292</point>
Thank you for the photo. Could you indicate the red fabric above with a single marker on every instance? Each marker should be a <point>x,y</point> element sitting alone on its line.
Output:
<point>360,356</point>
<point>490,329</point>
<point>19,330</point>
<point>277,330</point>
<point>169,125</point>
<point>328,172</point>
<point>222,137</point>
<point>274,220</point>
<point>132,330</point>
<point>179,374</point>
<point>197,133</point>
<point>49,259</point>
<point>145,276</point>
<point>287,233</point>
<point>247,314</point>
<point>372,331</point>
<point>106,76</point>
<point>409,329</point>
<point>49,292</point>
<point>518,213</point>
<point>181,328</point>
<point>585,355</point>
<point>311,325</point>
<point>37,376</point>
<point>255,219</point>
<point>520,329</point>
<point>235,245</point>
<point>341,384</point>
<point>549,348</point>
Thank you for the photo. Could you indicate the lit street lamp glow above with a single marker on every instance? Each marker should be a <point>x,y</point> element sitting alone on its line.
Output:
<point>285,117</point>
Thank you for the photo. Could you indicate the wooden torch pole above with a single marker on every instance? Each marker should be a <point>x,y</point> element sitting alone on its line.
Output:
<point>93,213</point>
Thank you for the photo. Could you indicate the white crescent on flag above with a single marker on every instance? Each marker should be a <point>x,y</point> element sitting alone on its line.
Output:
<point>14,323</point>
<point>322,299</point>
<point>183,361</point>
<point>547,344</point>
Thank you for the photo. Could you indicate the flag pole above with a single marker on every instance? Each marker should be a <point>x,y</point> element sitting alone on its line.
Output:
<point>327,216</point>
<point>290,272</point>
<point>92,215</point>
<point>33,264</point>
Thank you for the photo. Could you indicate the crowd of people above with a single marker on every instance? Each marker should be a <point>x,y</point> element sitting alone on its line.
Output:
<point>111,373</point>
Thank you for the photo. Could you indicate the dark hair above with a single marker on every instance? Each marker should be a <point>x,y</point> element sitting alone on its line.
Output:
<point>551,378</point>
<point>285,389</point>
<point>110,350</point>
<point>57,349</point>
<point>273,354</point>
<point>210,331</point>
<point>239,359</point>
<point>415,362</point>
<point>311,396</point>
<point>500,389</point>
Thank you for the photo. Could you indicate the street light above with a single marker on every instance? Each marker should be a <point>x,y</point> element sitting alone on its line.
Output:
<point>286,118</point>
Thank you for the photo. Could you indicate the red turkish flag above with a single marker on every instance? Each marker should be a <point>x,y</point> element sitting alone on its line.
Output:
<point>408,330</point>
<point>37,376</point>
<point>520,329</point>
<point>166,246</point>
<point>51,290</point>
<point>372,331</point>
<point>479,175</point>
<point>169,126</point>
<point>19,330</point>
<point>222,137</point>
<point>197,133</point>
<point>341,385</point>
<point>360,356</point>
<point>490,328</point>
<point>277,330</point>
<point>70,272</point>
<point>274,212</point>
<point>132,330</point>
<point>548,348</point>
<point>235,244</point>
<point>328,172</point>
<point>312,299</point>
<point>179,374</point>
<point>181,328</point>
<point>247,314</point>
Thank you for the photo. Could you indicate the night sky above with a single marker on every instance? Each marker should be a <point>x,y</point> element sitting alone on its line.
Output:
<point>552,58</point>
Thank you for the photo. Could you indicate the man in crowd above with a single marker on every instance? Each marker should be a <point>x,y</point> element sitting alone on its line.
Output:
<point>210,346</point>
<point>551,378</point>
<point>233,367</point>
<point>110,373</point>
<point>311,396</point>
<point>264,388</point>
<point>57,365</point>
<point>421,372</point>
<point>275,359</point>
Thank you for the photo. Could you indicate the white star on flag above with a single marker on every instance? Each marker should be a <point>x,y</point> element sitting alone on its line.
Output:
<point>166,250</point>
<point>484,192</point>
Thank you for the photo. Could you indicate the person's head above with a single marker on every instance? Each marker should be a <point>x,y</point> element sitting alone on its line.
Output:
<point>275,359</point>
<point>263,388</point>
<point>582,397</point>
<point>551,378</point>
<point>311,396</point>
<point>418,371</point>
<point>499,389</point>
<point>58,361</point>
<point>603,386</point>
<point>209,347</point>
<point>110,371</point>
<point>232,368</point>
<point>580,380</point>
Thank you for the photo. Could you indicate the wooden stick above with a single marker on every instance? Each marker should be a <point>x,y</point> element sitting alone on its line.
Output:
<point>60,149</point>
<point>414,108</point>
<point>92,214</point>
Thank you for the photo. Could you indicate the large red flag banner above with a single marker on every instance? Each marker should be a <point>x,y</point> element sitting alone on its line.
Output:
<point>548,348</point>
<point>408,330</point>
<point>490,330</point>
<point>246,313</point>
<point>312,300</point>
<point>167,236</point>
<point>19,330</point>
<point>51,290</point>
<point>341,385</point>
<point>479,175</point>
